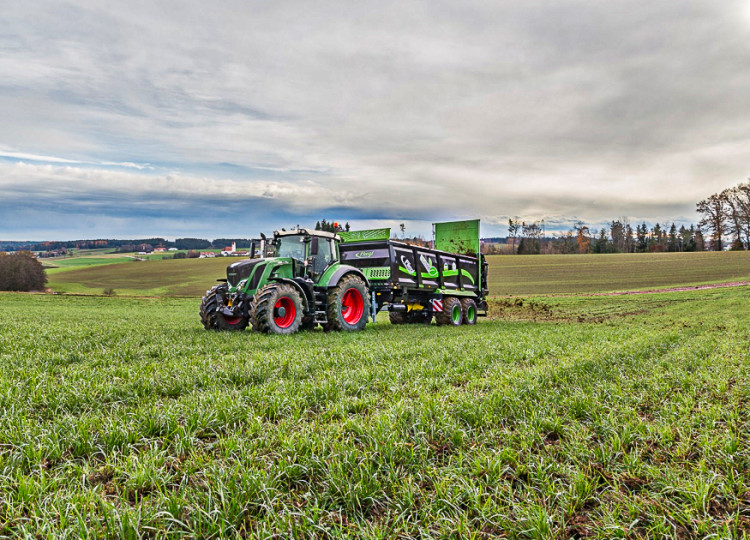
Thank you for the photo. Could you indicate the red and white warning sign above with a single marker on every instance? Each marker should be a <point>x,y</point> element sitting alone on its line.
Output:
<point>437,305</point>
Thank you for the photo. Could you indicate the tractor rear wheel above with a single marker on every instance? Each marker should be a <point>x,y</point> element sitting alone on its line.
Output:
<point>277,309</point>
<point>212,318</point>
<point>348,305</point>
<point>469,309</point>
<point>452,313</point>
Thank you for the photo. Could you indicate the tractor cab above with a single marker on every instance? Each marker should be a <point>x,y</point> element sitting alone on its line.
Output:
<point>313,251</point>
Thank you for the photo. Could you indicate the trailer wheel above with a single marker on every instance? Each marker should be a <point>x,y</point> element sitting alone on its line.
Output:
<point>277,309</point>
<point>212,318</point>
<point>397,317</point>
<point>348,305</point>
<point>469,309</point>
<point>452,314</point>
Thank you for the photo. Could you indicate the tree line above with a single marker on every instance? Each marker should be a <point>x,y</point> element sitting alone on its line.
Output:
<point>724,223</point>
<point>331,226</point>
<point>128,245</point>
<point>620,236</point>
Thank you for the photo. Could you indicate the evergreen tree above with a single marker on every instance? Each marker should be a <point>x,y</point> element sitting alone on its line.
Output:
<point>700,242</point>
<point>600,246</point>
<point>672,244</point>
<point>617,231</point>
<point>641,233</point>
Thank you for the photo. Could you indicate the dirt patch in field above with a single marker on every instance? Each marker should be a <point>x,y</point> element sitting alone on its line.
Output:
<point>677,289</point>
<point>520,309</point>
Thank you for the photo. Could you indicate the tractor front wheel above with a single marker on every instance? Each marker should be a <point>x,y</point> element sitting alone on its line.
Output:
<point>212,318</point>
<point>348,305</point>
<point>277,309</point>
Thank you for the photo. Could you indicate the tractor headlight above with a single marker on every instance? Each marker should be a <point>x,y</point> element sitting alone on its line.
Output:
<point>241,284</point>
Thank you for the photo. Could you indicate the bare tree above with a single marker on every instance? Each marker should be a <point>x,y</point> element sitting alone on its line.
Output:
<point>737,203</point>
<point>21,272</point>
<point>513,227</point>
<point>743,201</point>
<point>714,219</point>
<point>532,234</point>
<point>731,201</point>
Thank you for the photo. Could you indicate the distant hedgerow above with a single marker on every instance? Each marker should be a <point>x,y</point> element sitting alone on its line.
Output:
<point>21,272</point>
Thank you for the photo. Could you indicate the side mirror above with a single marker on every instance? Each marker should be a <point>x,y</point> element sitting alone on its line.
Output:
<point>314,246</point>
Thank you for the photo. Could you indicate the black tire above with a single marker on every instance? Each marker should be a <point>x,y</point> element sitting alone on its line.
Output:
<point>348,305</point>
<point>452,314</point>
<point>397,317</point>
<point>212,318</point>
<point>469,310</point>
<point>277,309</point>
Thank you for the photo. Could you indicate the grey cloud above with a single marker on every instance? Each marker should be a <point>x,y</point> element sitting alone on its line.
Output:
<point>393,110</point>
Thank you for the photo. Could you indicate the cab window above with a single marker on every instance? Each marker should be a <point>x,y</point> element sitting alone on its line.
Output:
<point>291,246</point>
<point>325,255</point>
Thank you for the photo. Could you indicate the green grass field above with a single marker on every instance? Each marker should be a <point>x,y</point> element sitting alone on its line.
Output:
<point>55,266</point>
<point>179,277</point>
<point>574,274</point>
<point>614,417</point>
<point>509,275</point>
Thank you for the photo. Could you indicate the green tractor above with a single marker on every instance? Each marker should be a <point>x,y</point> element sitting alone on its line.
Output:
<point>302,285</point>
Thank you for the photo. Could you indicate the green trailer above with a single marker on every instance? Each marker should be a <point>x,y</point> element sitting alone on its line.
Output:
<point>415,283</point>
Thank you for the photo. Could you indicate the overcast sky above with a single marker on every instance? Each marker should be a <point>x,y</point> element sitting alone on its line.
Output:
<point>215,119</point>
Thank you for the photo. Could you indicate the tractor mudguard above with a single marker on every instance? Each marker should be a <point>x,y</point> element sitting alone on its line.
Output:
<point>300,289</point>
<point>345,269</point>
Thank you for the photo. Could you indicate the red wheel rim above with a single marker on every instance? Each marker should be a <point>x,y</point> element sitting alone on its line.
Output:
<point>352,306</point>
<point>290,312</point>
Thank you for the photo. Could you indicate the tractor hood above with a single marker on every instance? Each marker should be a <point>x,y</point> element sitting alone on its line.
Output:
<point>240,270</point>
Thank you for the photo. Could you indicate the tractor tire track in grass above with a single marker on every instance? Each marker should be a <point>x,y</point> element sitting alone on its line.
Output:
<point>677,289</point>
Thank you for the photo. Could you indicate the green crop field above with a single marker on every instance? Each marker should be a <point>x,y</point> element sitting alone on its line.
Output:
<point>178,277</point>
<point>562,417</point>
<point>509,275</point>
<point>54,266</point>
<point>572,274</point>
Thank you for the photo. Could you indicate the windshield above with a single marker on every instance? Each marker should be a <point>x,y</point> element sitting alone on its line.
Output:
<point>291,246</point>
